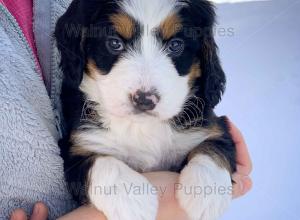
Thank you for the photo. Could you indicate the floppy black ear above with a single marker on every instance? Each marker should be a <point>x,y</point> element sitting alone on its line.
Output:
<point>212,82</point>
<point>68,34</point>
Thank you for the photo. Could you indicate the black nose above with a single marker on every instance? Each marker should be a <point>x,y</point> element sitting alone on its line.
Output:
<point>145,101</point>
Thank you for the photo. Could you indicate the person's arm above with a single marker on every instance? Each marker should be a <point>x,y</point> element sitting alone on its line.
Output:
<point>168,207</point>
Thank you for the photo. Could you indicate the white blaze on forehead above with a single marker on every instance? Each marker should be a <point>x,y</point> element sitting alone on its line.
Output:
<point>150,12</point>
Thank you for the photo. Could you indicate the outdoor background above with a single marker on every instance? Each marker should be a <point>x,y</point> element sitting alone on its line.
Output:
<point>262,62</point>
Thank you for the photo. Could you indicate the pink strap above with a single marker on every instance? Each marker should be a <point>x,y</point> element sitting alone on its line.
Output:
<point>22,10</point>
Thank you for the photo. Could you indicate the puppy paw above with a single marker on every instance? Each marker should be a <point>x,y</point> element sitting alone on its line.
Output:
<point>205,189</point>
<point>120,192</point>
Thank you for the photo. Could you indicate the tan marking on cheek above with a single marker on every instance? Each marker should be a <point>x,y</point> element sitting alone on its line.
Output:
<point>170,26</point>
<point>123,24</point>
<point>195,72</point>
<point>92,70</point>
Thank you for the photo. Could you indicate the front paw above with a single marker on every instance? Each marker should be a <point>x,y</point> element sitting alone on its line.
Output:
<point>121,193</point>
<point>205,189</point>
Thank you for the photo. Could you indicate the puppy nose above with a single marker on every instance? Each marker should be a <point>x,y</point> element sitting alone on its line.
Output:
<point>145,101</point>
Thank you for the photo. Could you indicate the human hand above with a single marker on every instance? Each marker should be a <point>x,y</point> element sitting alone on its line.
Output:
<point>40,212</point>
<point>169,208</point>
<point>241,177</point>
<point>243,182</point>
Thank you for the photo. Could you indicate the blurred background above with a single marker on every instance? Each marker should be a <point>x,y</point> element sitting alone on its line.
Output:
<point>259,45</point>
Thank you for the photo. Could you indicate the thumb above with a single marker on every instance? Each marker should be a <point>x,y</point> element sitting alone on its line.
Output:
<point>243,184</point>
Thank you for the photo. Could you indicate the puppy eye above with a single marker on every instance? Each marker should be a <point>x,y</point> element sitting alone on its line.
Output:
<point>115,44</point>
<point>175,47</point>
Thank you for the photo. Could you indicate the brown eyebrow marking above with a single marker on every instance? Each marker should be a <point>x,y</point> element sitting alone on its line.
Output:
<point>123,24</point>
<point>195,72</point>
<point>170,26</point>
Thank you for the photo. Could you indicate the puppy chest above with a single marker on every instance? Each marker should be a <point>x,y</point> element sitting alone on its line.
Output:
<point>144,147</point>
<point>147,150</point>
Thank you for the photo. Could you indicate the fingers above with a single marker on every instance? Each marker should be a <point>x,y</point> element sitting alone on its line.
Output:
<point>40,212</point>
<point>243,185</point>
<point>243,182</point>
<point>18,214</point>
<point>243,156</point>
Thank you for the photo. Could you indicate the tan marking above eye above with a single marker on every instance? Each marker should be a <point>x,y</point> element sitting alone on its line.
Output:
<point>123,24</point>
<point>170,26</point>
<point>195,72</point>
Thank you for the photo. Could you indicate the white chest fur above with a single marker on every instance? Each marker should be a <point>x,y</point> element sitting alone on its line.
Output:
<point>145,146</point>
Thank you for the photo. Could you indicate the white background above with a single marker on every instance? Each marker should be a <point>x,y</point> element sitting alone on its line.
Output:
<point>262,63</point>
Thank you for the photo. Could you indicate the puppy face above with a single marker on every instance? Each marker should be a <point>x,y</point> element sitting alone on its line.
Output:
<point>141,58</point>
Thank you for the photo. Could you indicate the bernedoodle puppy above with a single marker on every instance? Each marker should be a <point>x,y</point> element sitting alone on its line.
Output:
<point>141,80</point>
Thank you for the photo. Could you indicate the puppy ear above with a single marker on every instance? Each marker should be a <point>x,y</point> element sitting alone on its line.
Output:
<point>212,83</point>
<point>69,37</point>
<point>214,80</point>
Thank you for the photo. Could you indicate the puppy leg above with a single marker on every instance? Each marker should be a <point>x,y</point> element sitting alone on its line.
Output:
<point>116,189</point>
<point>205,186</point>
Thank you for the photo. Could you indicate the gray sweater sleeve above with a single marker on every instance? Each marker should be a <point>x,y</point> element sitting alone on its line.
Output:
<point>31,169</point>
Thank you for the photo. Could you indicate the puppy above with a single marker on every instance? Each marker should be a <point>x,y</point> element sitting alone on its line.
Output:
<point>141,80</point>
